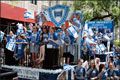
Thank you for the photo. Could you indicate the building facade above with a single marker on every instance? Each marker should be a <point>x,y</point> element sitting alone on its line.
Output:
<point>12,12</point>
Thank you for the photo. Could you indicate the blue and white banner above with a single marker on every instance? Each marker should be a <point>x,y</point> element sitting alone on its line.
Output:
<point>102,47</point>
<point>1,36</point>
<point>73,31</point>
<point>11,46</point>
<point>67,67</point>
<point>29,14</point>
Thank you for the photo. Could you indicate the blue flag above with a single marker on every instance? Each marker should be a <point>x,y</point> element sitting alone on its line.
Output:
<point>1,36</point>
<point>73,31</point>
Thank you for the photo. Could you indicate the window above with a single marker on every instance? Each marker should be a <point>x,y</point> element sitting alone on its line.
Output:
<point>34,2</point>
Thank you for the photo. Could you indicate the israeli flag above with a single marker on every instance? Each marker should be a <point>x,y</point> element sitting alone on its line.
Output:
<point>78,22</point>
<point>67,67</point>
<point>89,41</point>
<point>29,14</point>
<point>1,36</point>
<point>73,31</point>
<point>11,46</point>
<point>98,49</point>
<point>90,32</point>
<point>102,47</point>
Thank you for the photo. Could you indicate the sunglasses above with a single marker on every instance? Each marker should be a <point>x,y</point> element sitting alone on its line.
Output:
<point>92,63</point>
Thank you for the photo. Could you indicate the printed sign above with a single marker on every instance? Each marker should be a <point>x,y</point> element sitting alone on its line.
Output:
<point>11,46</point>
<point>58,14</point>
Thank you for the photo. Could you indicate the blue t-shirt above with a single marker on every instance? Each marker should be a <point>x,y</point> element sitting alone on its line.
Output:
<point>80,72</point>
<point>92,73</point>
<point>20,48</point>
<point>91,53</point>
<point>103,76</point>
<point>117,62</point>
<point>8,38</point>
<point>62,35</point>
<point>118,72</point>
<point>44,36</point>
<point>54,37</point>
<point>29,31</point>
<point>110,74</point>
<point>67,39</point>
<point>35,37</point>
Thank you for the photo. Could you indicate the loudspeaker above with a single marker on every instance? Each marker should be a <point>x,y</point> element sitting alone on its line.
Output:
<point>51,58</point>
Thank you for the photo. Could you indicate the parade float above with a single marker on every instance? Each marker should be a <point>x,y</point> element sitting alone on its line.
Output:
<point>55,16</point>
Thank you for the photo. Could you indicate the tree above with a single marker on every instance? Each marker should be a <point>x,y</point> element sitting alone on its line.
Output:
<point>99,10</point>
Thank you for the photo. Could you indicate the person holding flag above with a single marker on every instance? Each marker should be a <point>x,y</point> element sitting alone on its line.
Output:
<point>9,60</point>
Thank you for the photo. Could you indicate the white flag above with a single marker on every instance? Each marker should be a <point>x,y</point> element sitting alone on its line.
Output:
<point>73,31</point>
<point>1,36</point>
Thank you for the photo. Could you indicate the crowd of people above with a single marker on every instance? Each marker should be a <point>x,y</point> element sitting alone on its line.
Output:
<point>34,40</point>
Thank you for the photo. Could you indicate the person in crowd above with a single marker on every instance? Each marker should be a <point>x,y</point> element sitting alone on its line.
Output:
<point>61,34</point>
<point>92,50</point>
<point>26,37</point>
<point>52,37</point>
<point>111,72</point>
<point>43,42</point>
<point>66,55</point>
<point>20,48</point>
<point>9,60</point>
<point>118,72</point>
<point>29,29</point>
<point>95,37</point>
<point>34,46</point>
<point>79,71</point>
<point>92,71</point>
<point>103,74</point>
<point>117,60</point>
<point>84,48</point>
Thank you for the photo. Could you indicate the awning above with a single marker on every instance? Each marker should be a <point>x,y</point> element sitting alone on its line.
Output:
<point>14,13</point>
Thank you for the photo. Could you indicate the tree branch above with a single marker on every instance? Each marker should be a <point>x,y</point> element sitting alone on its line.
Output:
<point>101,17</point>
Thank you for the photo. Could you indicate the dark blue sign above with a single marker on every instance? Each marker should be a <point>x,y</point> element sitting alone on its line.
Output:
<point>100,24</point>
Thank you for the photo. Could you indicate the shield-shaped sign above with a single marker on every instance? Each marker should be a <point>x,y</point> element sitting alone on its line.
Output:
<point>58,14</point>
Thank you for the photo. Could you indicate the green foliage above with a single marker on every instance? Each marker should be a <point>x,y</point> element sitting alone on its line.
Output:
<point>64,3</point>
<point>98,9</point>
<point>117,42</point>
